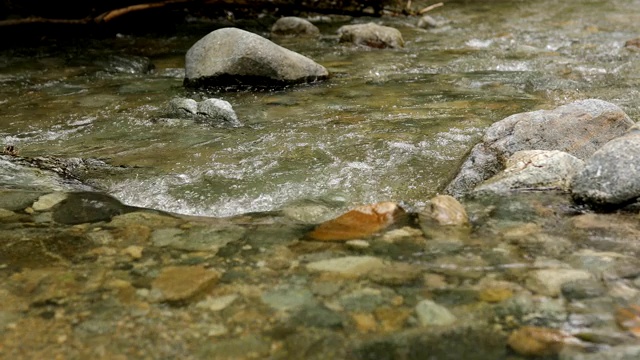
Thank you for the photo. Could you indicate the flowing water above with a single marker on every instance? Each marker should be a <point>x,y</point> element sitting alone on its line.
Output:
<point>389,124</point>
<point>82,276</point>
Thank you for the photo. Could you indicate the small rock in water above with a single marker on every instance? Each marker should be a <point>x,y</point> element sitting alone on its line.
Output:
<point>292,25</point>
<point>183,107</point>
<point>231,58</point>
<point>46,202</point>
<point>549,281</point>
<point>371,35</point>
<point>445,210</point>
<point>360,222</point>
<point>431,314</point>
<point>538,341</point>
<point>350,266</point>
<point>181,283</point>
<point>218,111</point>
<point>427,21</point>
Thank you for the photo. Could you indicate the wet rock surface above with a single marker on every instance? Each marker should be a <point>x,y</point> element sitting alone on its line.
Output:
<point>232,57</point>
<point>371,35</point>
<point>610,176</point>
<point>291,25</point>
<point>579,128</point>
<point>251,287</point>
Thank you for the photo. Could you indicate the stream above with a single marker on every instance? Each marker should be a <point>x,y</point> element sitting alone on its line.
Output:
<point>390,125</point>
<point>204,255</point>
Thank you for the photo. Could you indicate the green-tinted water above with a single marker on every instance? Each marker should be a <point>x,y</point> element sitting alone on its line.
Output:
<point>389,125</point>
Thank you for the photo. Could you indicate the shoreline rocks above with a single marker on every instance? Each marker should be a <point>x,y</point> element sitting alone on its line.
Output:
<point>579,129</point>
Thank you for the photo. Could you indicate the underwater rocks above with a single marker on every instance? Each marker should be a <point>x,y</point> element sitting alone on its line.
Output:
<point>257,286</point>
<point>230,58</point>
<point>360,222</point>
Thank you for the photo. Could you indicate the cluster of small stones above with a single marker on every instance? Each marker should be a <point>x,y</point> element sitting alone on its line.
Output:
<point>500,279</point>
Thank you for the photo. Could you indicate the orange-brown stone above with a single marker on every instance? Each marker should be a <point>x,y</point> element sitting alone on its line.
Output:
<point>360,222</point>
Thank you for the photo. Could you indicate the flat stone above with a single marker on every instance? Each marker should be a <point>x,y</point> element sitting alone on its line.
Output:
<point>361,222</point>
<point>549,281</point>
<point>349,266</point>
<point>181,283</point>
<point>288,298</point>
<point>217,303</point>
<point>200,238</point>
<point>534,170</point>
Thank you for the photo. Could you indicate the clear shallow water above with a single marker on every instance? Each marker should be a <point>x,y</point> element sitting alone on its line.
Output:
<point>389,125</point>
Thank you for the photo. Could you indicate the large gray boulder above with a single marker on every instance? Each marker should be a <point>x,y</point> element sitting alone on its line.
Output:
<point>231,57</point>
<point>612,175</point>
<point>578,128</point>
<point>371,35</point>
<point>292,25</point>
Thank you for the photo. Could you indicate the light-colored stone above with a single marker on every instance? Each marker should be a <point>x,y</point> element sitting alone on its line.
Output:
<point>445,210</point>
<point>46,202</point>
<point>292,25</point>
<point>232,57</point>
<point>217,303</point>
<point>534,170</point>
<point>182,283</point>
<point>134,251</point>
<point>350,266</point>
<point>371,35</point>
<point>549,281</point>
<point>432,314</point>
<point>219,111</point>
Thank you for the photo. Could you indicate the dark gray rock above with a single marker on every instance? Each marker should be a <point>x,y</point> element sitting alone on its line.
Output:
<point>371,35</point>
<point>86,207</point>
<point>579,128</point>
<point>612,175</point>
<point>232,57</point>
<point>126,64</point>
<point>292,25</point>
